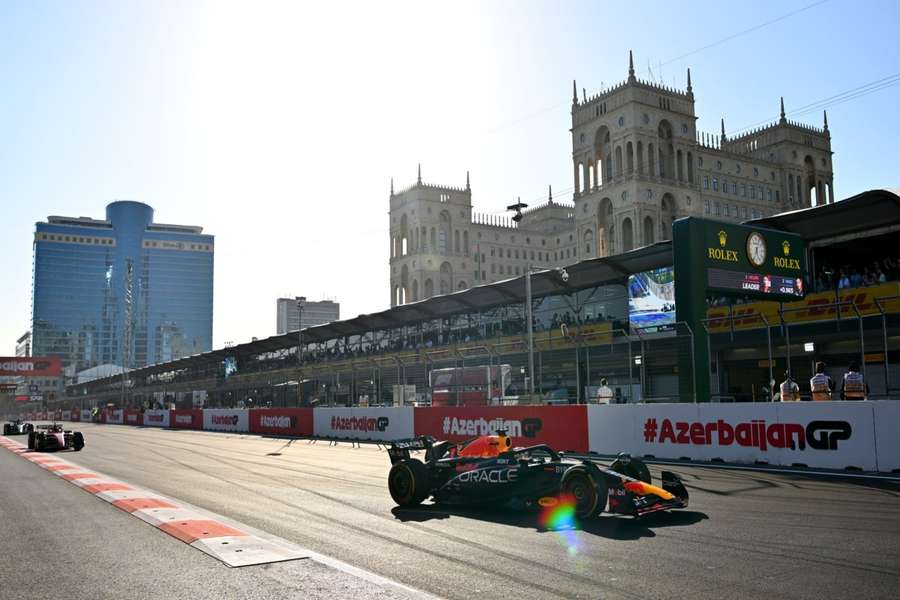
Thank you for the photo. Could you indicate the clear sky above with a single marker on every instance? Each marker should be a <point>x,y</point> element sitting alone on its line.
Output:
<point>278,125</point>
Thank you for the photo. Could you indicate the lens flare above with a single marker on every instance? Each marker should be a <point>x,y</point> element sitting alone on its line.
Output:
<point>560,517</point>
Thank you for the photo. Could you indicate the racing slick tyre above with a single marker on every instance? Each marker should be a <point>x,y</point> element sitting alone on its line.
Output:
<point>408,482</point>
<point>589,493</point>
<point>6,428</point>
<point>632,467</point>
<point>77,441</point>
<point>31,440</point>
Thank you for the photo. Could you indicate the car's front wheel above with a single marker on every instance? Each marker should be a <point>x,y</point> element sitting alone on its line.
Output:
<point>408,482</point>
<point>77,441</point>
<point>588,493</point>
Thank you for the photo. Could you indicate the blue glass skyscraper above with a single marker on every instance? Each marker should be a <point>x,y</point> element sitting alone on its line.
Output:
<point>121,291</point>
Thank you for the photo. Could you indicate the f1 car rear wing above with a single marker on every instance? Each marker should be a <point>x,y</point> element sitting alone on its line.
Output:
<point>400,449</point>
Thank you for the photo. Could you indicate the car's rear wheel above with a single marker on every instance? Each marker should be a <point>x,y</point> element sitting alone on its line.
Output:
<point>31,440</point>
<point>6,429</point>
<point>588,493</point>
<point>408,482</point>
<point>632,467</point>
<point>77,441</point>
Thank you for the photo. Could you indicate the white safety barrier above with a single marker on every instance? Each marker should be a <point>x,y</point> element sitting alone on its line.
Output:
<point>834,435</point>
<point>156,418</point>
<point>115,417</point>
<point>66,415</point>
<point>223,419</point>
<point>887,441</point>
<point>85,415</point>
<point>389,423</point>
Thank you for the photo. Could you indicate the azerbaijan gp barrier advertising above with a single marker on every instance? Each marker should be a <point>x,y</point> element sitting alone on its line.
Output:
<point>156,418</point>
<point>560,427</point>
<point>282,421</point>
<point>186,419</point>
<point>85,415</point>
<point>224,419</point>
<point>833,435</point>
<point>133,417</point>
<point>380,424</point>
<point>75,415</point>
<point>114,417</point>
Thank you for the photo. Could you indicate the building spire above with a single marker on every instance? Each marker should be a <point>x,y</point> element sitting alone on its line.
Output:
<point>689,88</point>
<point>630,66</point>
<point>782,120</point>
<point>723,129</point>
<point>550,194</point>
<point>468,187</point>
<point>574,92</point>
<point>392,186</point>
<point>825,114</point>
<point>419,179</point>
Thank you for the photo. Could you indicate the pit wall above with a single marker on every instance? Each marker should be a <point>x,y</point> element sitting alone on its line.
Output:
<point>830,435</point>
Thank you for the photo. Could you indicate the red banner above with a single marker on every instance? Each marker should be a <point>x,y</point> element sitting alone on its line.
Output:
<point>282,421</point>
<point>186,419</point>
<point>75,415</point>
<point>23,398</point>
<point>133,417</point>
<point>30,366</point>
<point>560,427</point>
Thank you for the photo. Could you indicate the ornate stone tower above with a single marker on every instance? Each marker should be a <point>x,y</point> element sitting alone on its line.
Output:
<point>633,149</point>
<point>431,252</point>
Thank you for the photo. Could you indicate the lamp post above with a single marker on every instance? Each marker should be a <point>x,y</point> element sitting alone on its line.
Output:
<point>300,301</point>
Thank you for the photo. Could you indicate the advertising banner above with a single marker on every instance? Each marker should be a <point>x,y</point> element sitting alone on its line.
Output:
<point>832,435</point>
<point>65,415</point>
<point>156,418</point>
<point>282,421</point>
<point>563,428</point>
<point>115,417</point>
<point>224,419</point>
<point>887,442</point>
<point>30,366</point>
<point>85,415</point>
<point>383,424</point>
<point>75,415</point>
<point>186,419</point>
<point>133,417</point>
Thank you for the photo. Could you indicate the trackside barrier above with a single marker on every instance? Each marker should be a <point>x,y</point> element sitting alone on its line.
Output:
<point>133,417</point>
<point>379,424</point>
<point>85,415</point>
<point>66,415</point>
<point>223,419</point>
<point>561,427</point>
<point>157,418</point>
<point>75,415</point>
<point>114,417</point>
<point>191,418</point>
<point>830,435</point>
<point>282,421</point>
<point>887,440</point>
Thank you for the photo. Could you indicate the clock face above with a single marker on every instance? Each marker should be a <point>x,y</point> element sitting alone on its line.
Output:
<point>756,249</point>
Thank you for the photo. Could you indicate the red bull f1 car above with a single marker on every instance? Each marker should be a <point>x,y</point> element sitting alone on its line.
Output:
<point>488,471</point>
<point>17,427</point>
<point>48,438</point>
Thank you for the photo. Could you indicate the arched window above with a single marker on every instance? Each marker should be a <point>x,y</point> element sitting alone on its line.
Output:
<point>456,241</point>
<point>629,152</point>
<point>446,272</point>
<point>618,161</point>
<point>651,161</point>
<point>648,230</point>
<point>404,236</point>
<point>640,157</point>
<point>415,290</point>
<point>429,288</point>
<point>444,233</point>
<point>627,235</point>
<point>690,167</point>
<point>588,243</point>
<point>466,243</point>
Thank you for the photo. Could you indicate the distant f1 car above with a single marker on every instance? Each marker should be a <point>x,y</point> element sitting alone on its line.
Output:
<point>488,471</point>
<point>17,427</point>
<point>54,437</point>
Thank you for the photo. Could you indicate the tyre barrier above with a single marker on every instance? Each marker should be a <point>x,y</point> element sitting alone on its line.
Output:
<point>827,435</point>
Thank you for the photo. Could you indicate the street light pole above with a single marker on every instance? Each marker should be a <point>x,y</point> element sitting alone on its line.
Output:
<point>300,301</point>
<point>528,318</point>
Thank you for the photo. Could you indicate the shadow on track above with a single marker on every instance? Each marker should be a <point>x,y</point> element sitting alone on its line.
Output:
<point>608,526</point>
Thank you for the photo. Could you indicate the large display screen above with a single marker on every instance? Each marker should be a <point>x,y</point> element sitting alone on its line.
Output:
<point>755,283</point>
<point>651,298</point>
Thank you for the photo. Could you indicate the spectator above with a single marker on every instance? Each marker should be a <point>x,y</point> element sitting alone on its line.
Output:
<point>604,393</point>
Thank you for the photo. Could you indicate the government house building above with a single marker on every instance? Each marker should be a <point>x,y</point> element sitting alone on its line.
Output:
<point>638,163</point>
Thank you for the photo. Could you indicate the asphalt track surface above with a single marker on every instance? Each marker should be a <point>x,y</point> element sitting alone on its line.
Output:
<point>746,534</point>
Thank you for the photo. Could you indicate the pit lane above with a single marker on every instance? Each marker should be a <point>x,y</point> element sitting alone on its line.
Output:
<point>746,534</point>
